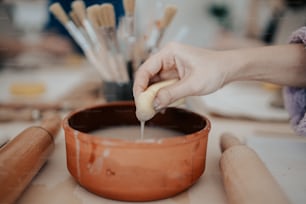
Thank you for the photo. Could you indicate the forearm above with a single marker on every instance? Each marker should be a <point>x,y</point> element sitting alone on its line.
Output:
<point>283,65</point>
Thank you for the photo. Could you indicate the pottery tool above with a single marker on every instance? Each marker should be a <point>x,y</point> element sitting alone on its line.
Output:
<point>145,109</point>
<point>129,35</point>
<point>75,19</point>
<point>97,42</point>
<point>246,178</point>
<point>104,55</point>
<point>61,15</point>
<point>93,15</point>
<point>129,8</point>
<point>107,24</point>
<point>79,8</point>
<point>77,35</point>
<point>144,101</point>
<point>158,31</point>
<point>23,156</point>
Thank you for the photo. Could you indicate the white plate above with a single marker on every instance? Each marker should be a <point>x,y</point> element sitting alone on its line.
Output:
<point>242,99</point>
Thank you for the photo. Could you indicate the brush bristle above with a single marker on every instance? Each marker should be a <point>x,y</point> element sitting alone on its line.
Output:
<point>79,8</point>
<point>75,19</point>
<point>57,10</point>
<point>169,13</point>
<point>93,15</point>
<point>107,15</point>
<point>129,7</point>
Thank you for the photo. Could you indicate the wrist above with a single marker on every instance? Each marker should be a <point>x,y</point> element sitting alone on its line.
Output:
<point>236,66</point>
<point>252,64</point>
<point>279,64</point>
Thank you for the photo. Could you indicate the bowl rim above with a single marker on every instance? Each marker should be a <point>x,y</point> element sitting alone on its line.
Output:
<point>116,142</point>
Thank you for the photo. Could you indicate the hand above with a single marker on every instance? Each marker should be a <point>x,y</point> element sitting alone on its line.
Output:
<point>202,71</point>
<point>199,71</point>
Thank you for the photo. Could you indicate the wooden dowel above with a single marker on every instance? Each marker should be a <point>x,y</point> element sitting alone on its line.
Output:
<point>21,158</point>
<point>246,178</point>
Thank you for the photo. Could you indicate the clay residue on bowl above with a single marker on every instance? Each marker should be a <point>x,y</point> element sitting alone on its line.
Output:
<point>130,170</point>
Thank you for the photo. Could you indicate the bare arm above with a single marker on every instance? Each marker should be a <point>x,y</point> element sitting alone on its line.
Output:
<point>283,65</point>
<point>202,71</point>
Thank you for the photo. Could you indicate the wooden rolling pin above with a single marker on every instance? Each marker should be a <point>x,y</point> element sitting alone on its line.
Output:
<point>21,158</point>
<point>246,178</point>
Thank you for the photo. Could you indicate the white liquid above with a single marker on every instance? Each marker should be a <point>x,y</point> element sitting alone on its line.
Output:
<point>131,133</point>
<point>142,125</point>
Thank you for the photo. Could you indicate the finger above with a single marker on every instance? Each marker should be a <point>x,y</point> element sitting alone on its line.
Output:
<point>172,93</point>
<point>147,71</point>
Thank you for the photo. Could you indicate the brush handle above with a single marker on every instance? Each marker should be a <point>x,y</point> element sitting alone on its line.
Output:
<point>77,35</point>
<point>92,34</point>
<point>154,37</point>
<point>118,65</point>
<point>21,158</point>
<point>246,178</point>
<point>86,46</point>
<point>129,25</point>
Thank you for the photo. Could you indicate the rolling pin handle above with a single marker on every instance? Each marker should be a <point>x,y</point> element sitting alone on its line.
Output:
<point>227,140</point>
<point>51,123</point>
<point>246,179</point>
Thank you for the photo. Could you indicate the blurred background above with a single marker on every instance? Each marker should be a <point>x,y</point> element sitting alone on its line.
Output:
<point>41,63</point>
<point>196,22</point>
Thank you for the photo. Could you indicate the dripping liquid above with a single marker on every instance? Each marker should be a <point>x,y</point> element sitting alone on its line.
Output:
<point>142,125</point>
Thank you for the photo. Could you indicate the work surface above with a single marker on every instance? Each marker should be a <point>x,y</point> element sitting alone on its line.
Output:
<point>53,184</point>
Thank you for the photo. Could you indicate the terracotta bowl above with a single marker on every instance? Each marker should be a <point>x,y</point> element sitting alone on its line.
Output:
<point>131,170</point>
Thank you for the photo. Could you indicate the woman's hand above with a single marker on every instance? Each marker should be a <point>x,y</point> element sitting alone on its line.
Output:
<point>199,72</point>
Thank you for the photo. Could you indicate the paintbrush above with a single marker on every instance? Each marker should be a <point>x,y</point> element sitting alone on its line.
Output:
<point>98,42</point>
<point>158,31</point>
<point>80,10</point>
<point>92,14</point>
<point>57,10</point>
<point>75,19</point>
<point>105,57</point>
<point>129,38</point>
<point>129,9</point>
<point>107,22</point>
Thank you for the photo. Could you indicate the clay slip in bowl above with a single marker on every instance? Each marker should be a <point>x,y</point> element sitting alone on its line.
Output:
<point>135,170</point>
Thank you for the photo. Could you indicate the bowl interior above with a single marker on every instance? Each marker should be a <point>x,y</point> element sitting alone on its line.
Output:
<point>123,114</point>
